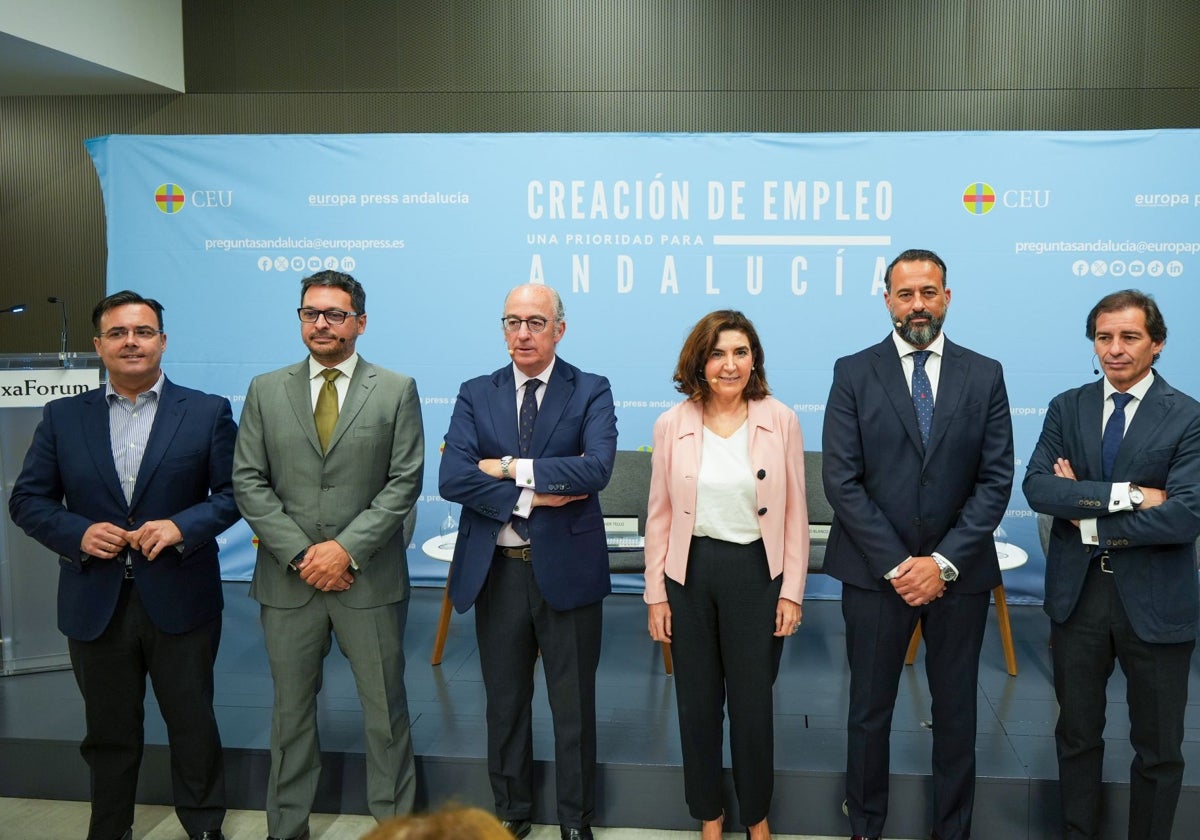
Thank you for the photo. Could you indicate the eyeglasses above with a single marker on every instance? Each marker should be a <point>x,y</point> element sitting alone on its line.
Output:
<point>513,324</point>
<point>120,333</point>
<point>333,317</point>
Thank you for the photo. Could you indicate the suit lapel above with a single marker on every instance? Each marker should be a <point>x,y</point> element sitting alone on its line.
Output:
<point>1091,410</point>
<point>890,374</point>
<point>166,422</point>
<point>299,393</point>
<point>558,393</point>
<point>361,385</point>
<point>952,384</point>
<point>1141,431</point>
<point>99,444</point>
<point>503,410</point>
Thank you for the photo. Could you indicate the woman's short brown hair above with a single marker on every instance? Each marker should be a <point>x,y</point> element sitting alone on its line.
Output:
<point>689,373</point>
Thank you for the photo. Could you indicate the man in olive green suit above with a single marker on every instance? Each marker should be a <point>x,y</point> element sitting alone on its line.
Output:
<point>328,465</point>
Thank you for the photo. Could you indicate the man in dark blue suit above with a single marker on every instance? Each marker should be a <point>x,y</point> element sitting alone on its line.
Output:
<point>918,467</point>
<point>1118,467</point>
<point>130,486</point>
<point>528,451</point>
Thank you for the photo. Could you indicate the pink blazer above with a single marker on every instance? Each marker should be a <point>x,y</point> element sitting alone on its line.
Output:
<point>777,456</point>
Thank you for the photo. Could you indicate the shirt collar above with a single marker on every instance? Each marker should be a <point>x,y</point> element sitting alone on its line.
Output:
<point>544,375</point>
<point>1138,391</point>
<point>347,367</point>
<point>903,348</point>
<point>110,393</point>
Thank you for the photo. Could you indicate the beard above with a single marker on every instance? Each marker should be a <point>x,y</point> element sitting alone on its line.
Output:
<point>923,335</point>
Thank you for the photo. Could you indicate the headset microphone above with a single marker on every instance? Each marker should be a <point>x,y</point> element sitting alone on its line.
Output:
<point>1096,364</point>
<point>899,324</point>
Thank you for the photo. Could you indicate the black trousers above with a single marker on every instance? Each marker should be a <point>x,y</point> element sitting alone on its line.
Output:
<point>725,650</point>
<point>512,622</point>
<point>1086,647</point>
<point>111,673</point>
<point>879,625</point>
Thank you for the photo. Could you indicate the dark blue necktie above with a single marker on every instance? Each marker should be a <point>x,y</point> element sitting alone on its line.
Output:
<point>525,419</point>
<point>922,395</point>
<point>1114,432</point>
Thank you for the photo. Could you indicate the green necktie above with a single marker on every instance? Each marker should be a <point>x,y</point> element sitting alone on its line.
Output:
<point>326,413</point>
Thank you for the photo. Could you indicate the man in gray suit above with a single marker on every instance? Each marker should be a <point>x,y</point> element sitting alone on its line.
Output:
<point>327,467</point>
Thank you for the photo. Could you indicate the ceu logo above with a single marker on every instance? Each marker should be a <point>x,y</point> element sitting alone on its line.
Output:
<point>169,198</point>
<point>979,199</point>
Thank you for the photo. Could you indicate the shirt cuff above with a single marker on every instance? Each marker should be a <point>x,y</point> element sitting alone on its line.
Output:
<point>1088,532</point>
<point>524,505</point>
<point>1119,497</point>
<point>523,473</point>
<point>896,569</point>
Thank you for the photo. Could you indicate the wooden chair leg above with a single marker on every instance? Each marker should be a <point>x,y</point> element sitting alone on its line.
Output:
<point>439,642</point>
<point>914,645</point>
<point>1010,655</point>
<point>668,663</point>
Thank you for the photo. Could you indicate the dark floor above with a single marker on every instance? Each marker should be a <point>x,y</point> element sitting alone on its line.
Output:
<point>41,722</point>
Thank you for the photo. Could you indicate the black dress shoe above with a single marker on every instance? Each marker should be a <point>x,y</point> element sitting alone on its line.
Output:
<point>584,833</point>
<point>128,835</point>
<point>303,835</point>
<point>863,837</point>
<point>517,828</point>
<point>208,835</point>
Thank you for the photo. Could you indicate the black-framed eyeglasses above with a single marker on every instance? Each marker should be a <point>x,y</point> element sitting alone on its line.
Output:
<point>333,317</point>
<point>513,324</point>
<point>120,333</point>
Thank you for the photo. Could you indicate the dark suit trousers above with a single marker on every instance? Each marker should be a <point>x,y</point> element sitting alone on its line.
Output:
<point>879,625</point>
<point>111,672</point>
<point>724,649</point>
<point>512,622</point>
<point>1084,649</point>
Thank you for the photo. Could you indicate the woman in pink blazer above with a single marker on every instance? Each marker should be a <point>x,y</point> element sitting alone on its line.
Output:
<point>726,560</point>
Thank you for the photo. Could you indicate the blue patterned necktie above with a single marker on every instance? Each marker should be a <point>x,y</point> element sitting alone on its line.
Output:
<point>1114,433</point>
<point>922,395</point>
<point>525,420</point>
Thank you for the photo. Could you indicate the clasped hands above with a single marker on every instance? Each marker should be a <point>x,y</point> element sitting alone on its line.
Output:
<point>491,466</point>
<point>918,580</point>
<point>1152,496</point>
<point>106,540</point>
<point>326,566</point>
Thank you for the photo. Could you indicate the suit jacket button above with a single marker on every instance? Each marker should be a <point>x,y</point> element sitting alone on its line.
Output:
<point>762,511</point>
<point>762,474</point>
<point>129,520</point>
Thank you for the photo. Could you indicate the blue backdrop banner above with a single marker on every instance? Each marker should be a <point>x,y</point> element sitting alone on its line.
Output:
<point>642,234</point>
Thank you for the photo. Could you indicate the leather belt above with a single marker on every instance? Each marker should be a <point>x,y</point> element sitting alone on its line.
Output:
<point>514,552</point>
<point>1104,558</point>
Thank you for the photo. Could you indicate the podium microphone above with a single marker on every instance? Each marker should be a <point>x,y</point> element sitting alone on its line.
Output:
<point>62,344</point>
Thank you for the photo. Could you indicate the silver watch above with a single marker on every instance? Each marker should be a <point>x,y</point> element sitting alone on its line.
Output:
<point>1136,496</point>
<point>505,462</point>
<point>949,573</point>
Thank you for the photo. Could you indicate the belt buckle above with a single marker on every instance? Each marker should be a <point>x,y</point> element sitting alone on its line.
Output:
<point>1104,567</point>
<point>523,554</point>
<point>128,569</point>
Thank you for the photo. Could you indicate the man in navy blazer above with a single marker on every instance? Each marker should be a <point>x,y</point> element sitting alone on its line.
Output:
<point>918,467</point>
<point>130,486</point>
<point>528,451</point>
<point>1118,467</point>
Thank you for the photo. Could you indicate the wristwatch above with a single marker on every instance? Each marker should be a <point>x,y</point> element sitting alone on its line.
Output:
<point>505,462</point>
<point>1136,496</point>
<point>949,573</point>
